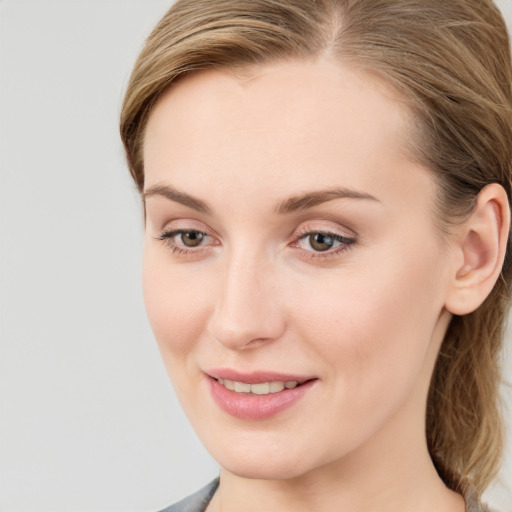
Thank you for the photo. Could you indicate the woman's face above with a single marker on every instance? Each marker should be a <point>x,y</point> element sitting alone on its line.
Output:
<point>291,253</point>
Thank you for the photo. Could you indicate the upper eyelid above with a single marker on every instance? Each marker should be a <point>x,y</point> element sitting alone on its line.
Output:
<point>340,231</point>
<point>328,233</point>
<point>188,225</point>
<point>299,231</point>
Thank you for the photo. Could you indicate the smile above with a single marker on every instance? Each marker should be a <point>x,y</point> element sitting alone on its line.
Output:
<point>257,395</point>
<point>262,388</point>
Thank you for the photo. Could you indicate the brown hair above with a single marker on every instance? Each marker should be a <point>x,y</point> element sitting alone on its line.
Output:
<point>450,60</point>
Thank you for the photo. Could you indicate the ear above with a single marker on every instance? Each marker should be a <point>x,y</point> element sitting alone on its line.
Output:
<point>480,246</point>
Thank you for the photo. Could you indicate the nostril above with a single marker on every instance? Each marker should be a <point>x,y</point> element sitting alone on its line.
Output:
<point>243,326</point>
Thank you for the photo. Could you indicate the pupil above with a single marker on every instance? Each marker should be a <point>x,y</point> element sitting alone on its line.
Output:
<point>192,238</point>
<point>321,242</point>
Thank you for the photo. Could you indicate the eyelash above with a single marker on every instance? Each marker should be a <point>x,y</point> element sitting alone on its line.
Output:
<point>346,242</point>
<point>167,238</point>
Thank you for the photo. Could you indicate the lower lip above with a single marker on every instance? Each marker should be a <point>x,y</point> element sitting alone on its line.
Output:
<point>248,406</point>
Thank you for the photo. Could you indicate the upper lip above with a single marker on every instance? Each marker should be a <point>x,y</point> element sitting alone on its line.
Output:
<point>256,377</point>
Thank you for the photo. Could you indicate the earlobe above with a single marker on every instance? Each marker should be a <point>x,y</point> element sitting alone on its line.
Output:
<point>480,251</point>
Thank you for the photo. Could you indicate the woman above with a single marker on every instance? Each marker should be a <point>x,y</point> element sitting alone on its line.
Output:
<point>326,189</point>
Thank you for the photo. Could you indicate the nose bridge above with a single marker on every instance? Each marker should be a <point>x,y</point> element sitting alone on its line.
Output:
<point>247,308</point>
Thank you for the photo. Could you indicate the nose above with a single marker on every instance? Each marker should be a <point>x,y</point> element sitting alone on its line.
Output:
<point>247,311</point>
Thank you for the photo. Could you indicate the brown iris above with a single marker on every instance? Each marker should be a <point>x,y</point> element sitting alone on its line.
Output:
<point>192,238</point>
<point>321,242</point>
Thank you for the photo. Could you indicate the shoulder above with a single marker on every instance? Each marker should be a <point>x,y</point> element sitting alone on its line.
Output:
<point>196,502</point>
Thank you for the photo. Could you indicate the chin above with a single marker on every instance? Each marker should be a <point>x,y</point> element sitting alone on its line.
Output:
<point>266,461</point>
<point>269,469</point>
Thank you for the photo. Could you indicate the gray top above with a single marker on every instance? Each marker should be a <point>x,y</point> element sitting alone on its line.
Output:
<point>198,501</point>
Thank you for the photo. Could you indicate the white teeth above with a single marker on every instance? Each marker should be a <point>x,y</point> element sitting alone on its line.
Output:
<point>262,388</point>
<point>275,387</point>
<point>242,387</point>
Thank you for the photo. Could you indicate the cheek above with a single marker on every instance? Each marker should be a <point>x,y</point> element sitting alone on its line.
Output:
<point>373,323</point>
<point>373,331</point>
<point>176,305</point>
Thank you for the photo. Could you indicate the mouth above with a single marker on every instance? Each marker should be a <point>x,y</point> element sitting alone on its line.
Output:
<point>261,388</point>
<point>258,395</point>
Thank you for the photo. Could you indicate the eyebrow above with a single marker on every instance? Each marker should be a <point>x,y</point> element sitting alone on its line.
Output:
<point>295,203</point>
<point>178,197</point>
<point>304,201</point>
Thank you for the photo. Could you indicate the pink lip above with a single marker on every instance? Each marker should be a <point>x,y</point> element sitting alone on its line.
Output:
<point>248,406</point>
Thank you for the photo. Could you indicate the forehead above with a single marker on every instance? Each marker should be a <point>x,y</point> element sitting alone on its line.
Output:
<point>301,123</point>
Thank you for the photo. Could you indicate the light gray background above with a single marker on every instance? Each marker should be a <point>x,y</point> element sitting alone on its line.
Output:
<point>88,420</point>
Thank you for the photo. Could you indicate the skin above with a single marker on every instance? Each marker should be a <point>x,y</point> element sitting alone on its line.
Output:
<point>367,321</point>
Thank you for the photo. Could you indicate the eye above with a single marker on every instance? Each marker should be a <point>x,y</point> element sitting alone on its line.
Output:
<point>184,240</point>
<point>324,242</point>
